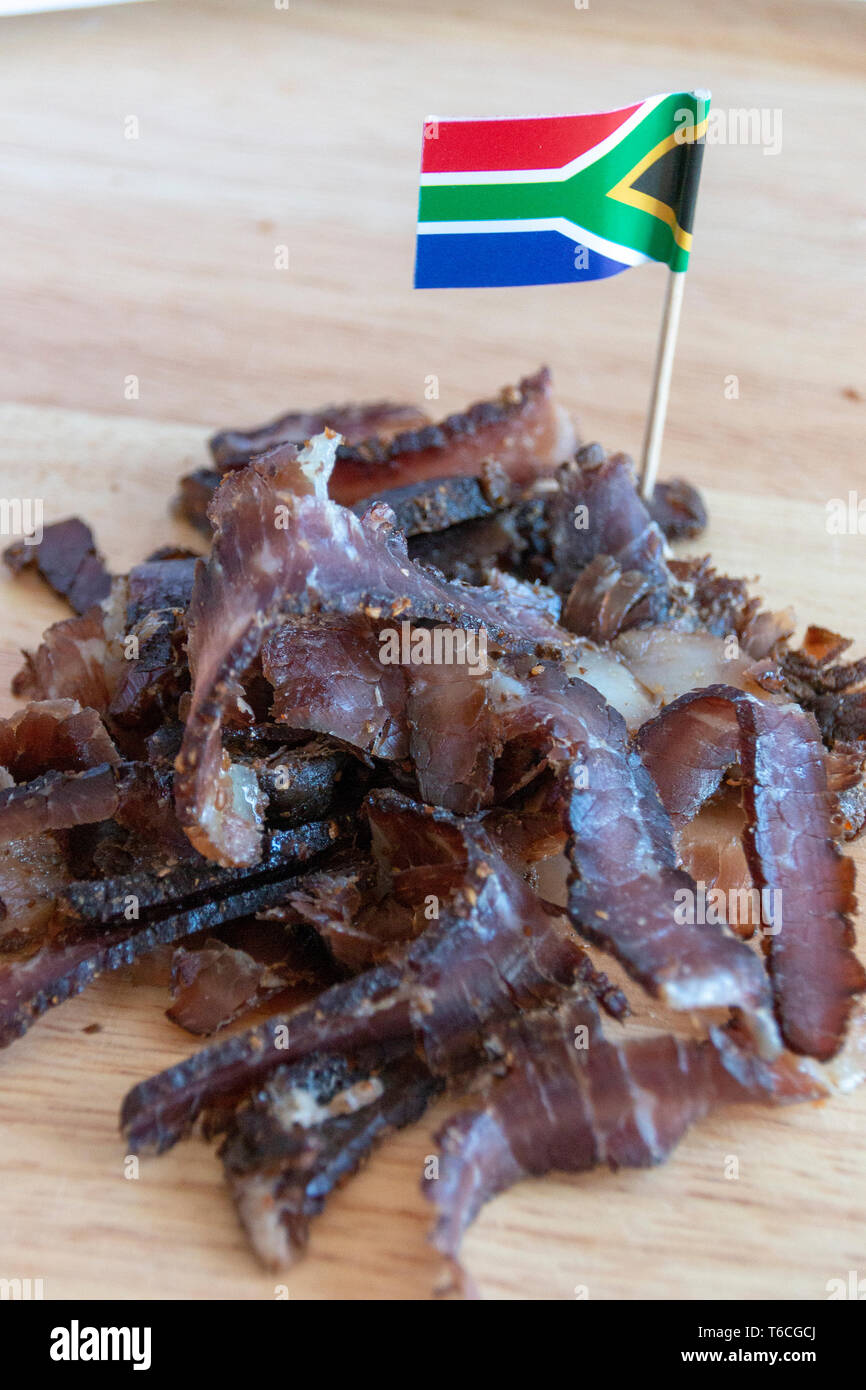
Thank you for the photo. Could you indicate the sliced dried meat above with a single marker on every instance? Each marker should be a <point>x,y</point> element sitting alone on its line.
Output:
<point>598,512</point>
<point>53,736</point>
<point>155,678</point>
<point>567,1100</point>
<point>328,677</point>
<point>79,658</point>
<point>678,509</point>
<point>61,765</point>
<point>67,559</point>
<point>195,494</point>
<point>435,504</point>
<point>606,600</point>
<point>344,903</point>
<point>623,876</point>
<point>452,735</point>
<point>213,984</point>
<point>307,1130</point>
<point>282,550</point>
<point>469,550</point>
<point>356,423</point>
<point>304,783</point>
<point>522,430</point>
<point>32,874</point>
<point>493,949</point>
<point>711,849</point>
<point>158,583</point>
<point>826,686</point>
<point>846,763</point>
<point>195,881</point>
<point>777,750</point>
<point>66,963</point>
<point>57,801</point>
<point>723,605</point>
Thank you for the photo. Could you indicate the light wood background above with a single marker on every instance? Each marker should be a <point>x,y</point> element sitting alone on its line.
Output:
<point>154,258</point>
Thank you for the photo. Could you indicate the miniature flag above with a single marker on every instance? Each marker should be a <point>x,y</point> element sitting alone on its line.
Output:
<point>542,200</point>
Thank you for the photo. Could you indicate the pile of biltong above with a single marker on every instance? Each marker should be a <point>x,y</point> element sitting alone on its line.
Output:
<point>216,756</point>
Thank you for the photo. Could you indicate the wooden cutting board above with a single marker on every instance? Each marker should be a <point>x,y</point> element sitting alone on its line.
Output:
<point>791,1221</point>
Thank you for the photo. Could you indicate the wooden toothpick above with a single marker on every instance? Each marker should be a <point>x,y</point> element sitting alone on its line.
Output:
<point>652,444</point>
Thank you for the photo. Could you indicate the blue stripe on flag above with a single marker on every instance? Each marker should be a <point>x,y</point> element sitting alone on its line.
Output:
<point>465,260</point>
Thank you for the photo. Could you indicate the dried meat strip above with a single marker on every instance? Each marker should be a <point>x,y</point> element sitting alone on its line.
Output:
<point>79,658</point>
<point>308,1129</point>
<point>777,751</point>
<point>356,423</point>
<point>566,1100</point>
<point>436,504</point>
<point>58,801</point>
<point>158,584</point>
<point>493,949</point>
<point>194,882</point>
<point>283,550</point>
<point>723,605</point>
<point>596,511</point>
<point>32,873</point>
<point>304,783</point>
<point>67,963</point>
<point>521,429</point>
<point>623,876</point>
<point>465,730</point>
<point>195,494</point>
<point>53,736</point>
<point>213,984</point>
<point>150,687</point>
<point>328,677</point>
<point>344,903</point>
<point>62,769</point>
<point>67,559</point>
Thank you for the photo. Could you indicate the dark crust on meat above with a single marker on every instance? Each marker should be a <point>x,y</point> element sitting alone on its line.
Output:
<point>428,505</point>
<point>823,685</point>
<point>357,423</point>
<point>281,1174</point>
<point>195,883</point>
<point>493,950</point>
<point>65,966</point>
<point>437,503</point>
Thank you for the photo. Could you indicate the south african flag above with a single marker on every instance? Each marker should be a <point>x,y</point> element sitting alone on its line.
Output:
<point>541,200</point>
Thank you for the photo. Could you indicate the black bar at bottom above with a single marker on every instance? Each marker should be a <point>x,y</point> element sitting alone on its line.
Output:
<point>214,1339</point>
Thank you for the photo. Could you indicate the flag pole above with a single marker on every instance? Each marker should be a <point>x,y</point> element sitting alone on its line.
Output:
<point>655,425</point>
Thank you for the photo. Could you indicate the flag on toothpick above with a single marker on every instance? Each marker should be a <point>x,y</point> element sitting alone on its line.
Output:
<point>544,200</point>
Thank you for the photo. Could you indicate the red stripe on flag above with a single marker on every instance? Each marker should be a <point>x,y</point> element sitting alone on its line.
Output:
<point>532,142</point>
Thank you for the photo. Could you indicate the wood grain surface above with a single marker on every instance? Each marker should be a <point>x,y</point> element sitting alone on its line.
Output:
<point>154,258</point>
